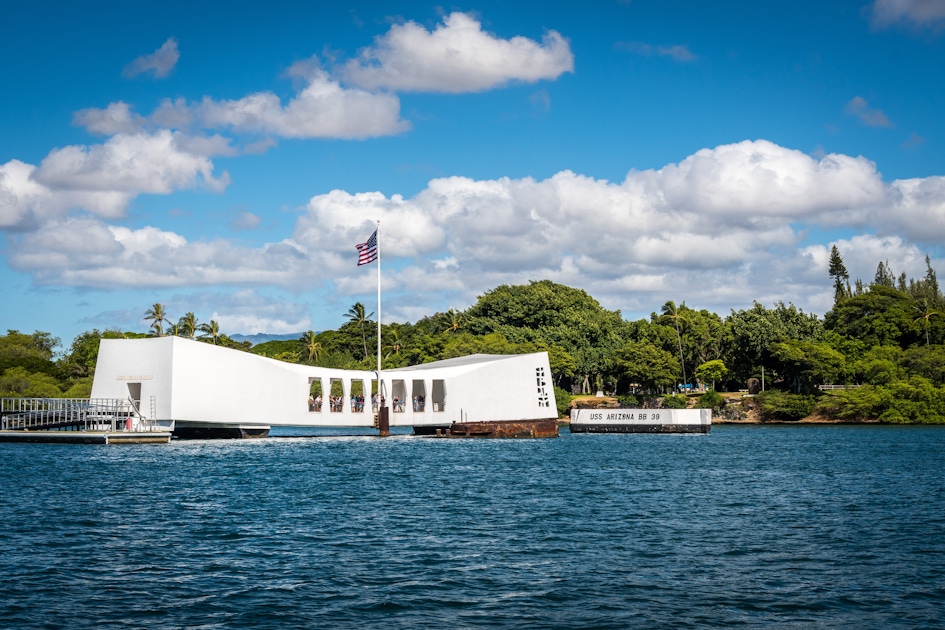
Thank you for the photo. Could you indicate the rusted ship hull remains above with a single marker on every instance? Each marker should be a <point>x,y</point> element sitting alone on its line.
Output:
<point>544,428</point>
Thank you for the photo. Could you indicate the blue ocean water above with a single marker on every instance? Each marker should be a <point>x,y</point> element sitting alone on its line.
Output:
<point>786,526</point>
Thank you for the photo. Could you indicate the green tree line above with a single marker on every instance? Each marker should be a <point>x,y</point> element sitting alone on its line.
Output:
<point>883,340</point>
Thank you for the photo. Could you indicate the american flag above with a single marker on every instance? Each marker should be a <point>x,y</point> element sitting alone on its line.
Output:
<point>367,252</point>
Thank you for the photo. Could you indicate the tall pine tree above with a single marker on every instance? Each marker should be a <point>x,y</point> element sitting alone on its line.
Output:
<point>841,279</point>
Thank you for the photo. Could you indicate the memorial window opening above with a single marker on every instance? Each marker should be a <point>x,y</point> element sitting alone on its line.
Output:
<point>337,395</point>
<point>315,399</point>
<point>419,395</point>
<point>439,395</point>
<point>399,391</point>
<point>357,396</point>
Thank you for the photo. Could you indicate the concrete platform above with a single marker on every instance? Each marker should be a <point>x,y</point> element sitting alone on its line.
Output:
<point>86,437</point>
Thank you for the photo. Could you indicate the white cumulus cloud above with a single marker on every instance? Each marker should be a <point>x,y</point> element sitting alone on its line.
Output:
<point>108,257</point>
<point>457,56</point>
<point>116,118</point>
<point>323,109</point>
<point>129,163</point>
<point>246,311</point>
<point>916,13</point>
<point>752,180</point>
<point>870,117</point>
<point>26,203</point>
<point>103,179</point>
<point>160,62</point>
<point>718,229</point>
<point>918,210</point>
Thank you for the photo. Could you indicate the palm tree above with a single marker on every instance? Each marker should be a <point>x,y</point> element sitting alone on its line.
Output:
<point>311,347</point>
<point>394,344</point>
<point>157,316</point>
<point>672,312</point>
<point>452,321</point>
<point>356,315</point>
<point>175,330</point>
<point>188,325</point>
<point>211,331</point>
<point>926,312</point>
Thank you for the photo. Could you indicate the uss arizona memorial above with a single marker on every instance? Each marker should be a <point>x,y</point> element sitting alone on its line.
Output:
<point>210,391</point>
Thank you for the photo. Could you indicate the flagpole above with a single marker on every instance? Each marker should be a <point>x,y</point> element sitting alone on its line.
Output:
<point>378,307</point>
<point>382,414</point>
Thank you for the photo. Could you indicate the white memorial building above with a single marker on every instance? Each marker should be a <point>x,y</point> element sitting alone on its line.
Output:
<point>210,391</point>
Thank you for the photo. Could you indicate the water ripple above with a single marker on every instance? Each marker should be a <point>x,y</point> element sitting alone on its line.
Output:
<point>748,526</point>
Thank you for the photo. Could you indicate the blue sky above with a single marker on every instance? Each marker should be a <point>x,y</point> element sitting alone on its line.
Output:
<point>226,158</point>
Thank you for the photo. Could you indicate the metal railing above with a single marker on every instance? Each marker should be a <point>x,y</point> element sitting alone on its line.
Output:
<point>75,414</point>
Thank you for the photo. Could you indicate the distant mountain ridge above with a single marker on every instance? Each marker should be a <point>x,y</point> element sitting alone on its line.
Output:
<point>264,337</point>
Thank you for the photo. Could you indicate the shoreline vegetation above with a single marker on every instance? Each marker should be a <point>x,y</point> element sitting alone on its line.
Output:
<point>878,355</point>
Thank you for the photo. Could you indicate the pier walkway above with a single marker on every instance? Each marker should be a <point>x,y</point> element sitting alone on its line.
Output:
<point>79,421</point>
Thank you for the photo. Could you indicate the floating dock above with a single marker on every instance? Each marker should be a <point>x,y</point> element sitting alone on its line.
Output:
<point>641,420</point>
